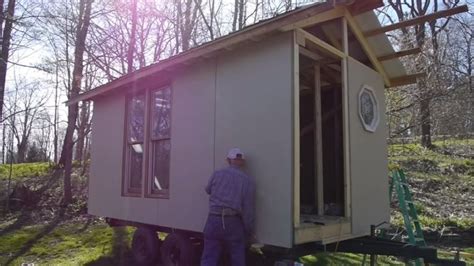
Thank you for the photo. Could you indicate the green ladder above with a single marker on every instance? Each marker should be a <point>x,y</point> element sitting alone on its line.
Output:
<point>407,208</point>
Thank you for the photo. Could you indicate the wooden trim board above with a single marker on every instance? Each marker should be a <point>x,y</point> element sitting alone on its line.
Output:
<point>296,131</point>
<point>345,118</point>
<point>322,17</point>
<point>366,46</point>
<point>326,47</point>
<point>318,137</point>
<point>328,233</point>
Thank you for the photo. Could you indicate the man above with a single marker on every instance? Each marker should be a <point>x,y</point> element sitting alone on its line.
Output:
<point>231,212</point>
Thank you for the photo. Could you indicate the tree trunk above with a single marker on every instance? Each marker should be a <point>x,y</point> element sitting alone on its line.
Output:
<point>3,142</point>
<point>241,14</point>
<point>81,131</point>
<point>56,115</point>
<point>6,38</point>
<point>81,34</point>
<point>236,15</point>
<point>425,116</point>
<point>133,33</point>
<point>21,152</point>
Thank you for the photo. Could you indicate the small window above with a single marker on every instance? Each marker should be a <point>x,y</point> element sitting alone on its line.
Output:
<point>160,143</point>
<point>134,144</point>
<point>368,109</point>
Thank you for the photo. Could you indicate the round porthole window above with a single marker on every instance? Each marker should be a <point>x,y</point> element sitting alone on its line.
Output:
<point>368,108</point>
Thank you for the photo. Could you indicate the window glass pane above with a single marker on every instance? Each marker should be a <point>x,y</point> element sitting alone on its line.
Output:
<point>161,165</point>
<point>136,118</point>
<point>161,113</point>
<point>135,165</point>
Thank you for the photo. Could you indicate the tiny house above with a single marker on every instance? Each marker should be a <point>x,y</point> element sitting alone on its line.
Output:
<point>302,94</point>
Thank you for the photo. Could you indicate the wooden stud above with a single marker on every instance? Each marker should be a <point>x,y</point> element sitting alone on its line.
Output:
<point>400,54</point>
<point>310,54</point>
<point>296,133</point>
<point>418,20</point>
<point>326,47</point>
<point>322,17</point>
<point>367,48</point>
<point>345,119</point>
<point>318,147</point>
<point>406,80</point>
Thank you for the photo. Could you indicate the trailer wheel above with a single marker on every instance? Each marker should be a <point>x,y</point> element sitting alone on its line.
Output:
<point>177,250</point>
<point>145,246</point>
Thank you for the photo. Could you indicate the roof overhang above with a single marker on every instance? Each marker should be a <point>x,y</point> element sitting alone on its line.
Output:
<point>327,10</point>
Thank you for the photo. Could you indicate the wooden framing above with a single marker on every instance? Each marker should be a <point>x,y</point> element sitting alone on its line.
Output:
<point>296,131</point>
<point>345,119</point>
<point>406,80</point>
<point>322,17</point>
<point>326,47</point>
<point>318,144</point>
<point>337,230</point>
<point>329,32</point>
<point>418,20</point>
<point>309,54</point>
<point>367,48</point>
<point>400,54</point>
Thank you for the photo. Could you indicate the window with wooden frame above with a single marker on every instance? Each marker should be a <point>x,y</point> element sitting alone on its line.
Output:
<point>134,145</point>
<point>158,180</point>
<point>148,144</point>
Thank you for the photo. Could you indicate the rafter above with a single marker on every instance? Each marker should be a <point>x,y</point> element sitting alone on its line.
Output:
<point>418,20</point>
<point>367,48</point>
<point>406,80</point>
<point>400,54</point>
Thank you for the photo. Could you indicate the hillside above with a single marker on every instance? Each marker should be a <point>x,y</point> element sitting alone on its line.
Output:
<point>38,231</point>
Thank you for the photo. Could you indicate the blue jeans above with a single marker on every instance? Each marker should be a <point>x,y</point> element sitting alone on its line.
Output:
<point>220,235</point>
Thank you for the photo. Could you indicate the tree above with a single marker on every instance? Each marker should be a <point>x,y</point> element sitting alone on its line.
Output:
<point>82,27</point>
<point>426,36</point>
<point>23,110</point>
<point>6,25</point>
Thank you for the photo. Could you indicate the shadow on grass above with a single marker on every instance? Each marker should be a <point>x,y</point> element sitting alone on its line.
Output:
<point>23,219</point>
<point>121,253</point>
<point>333,259</point>
<point>85,227</point>
<point>25,216</point>
<point>46,230</point>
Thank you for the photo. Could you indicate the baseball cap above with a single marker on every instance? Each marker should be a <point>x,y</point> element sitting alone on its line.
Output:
<point>234,154</point>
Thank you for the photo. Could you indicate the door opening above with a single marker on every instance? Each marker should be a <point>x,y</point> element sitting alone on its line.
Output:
<point>321,139</point>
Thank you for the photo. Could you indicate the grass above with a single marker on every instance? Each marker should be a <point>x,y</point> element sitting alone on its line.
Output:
<point>420,159</point>
<point>436,223</point>
<point>94,243</point>
<point>64,244</point>
<point>22,170</point>
<point>326,258</point>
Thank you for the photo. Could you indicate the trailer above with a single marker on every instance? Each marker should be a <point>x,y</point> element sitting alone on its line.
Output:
<point>302,94</point>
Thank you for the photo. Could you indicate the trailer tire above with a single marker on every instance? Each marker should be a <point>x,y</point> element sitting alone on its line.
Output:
<point>177,250</point>
<point>145,246</point>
